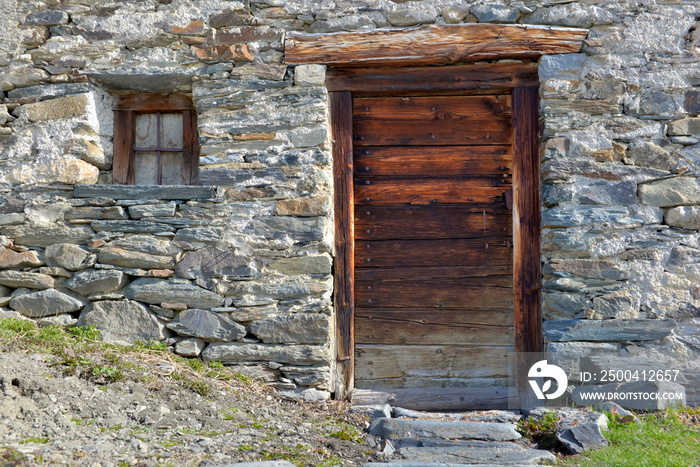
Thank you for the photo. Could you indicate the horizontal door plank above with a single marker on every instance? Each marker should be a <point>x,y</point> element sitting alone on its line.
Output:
<point>448,399</point>
<point>433,161</point>
<point>431,382</point>
<point>430,361</point>
<point>433,315</point>
<point>432,45</point>
<point>480,293</point>
<point>493,251</point>
<point>439,120</point>
<point>432,79</point>
<point>417,191</point>
<point>445,328</point>
<point>416,222</point>
<point>399,274</point>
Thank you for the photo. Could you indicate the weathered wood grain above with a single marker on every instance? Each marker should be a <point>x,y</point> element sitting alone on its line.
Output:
<point>439,120</point>
<point>417,222</point>
<point>154,102</point>
<point>432,45</point>
<point>445,327</point>
<point>455,399</point>
<point>527,278</point>
<point>426,191</point>
<point>436,272</point>
<point>433,161</point>
<point>340,104</point>
<point>479,293</point>
<point>429,361</point>
<point>123,163</point>
<point>492,251</point>
<point>423,80</point>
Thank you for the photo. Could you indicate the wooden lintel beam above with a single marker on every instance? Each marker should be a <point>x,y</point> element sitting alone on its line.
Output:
<point>432,45</point>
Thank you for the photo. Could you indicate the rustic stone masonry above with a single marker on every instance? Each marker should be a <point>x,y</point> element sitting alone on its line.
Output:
<point>239,269</point>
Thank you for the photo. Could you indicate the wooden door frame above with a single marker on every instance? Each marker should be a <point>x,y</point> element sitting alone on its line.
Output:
<point>387,61</point>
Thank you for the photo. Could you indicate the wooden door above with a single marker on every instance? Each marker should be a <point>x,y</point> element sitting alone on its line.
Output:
<point>433,241</point>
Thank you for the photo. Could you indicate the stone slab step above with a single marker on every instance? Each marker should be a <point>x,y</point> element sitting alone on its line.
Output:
<point>491,416</point>
<point>480,456</point>
<point>388,428</point>
<point>454,443</point>
<point>439,464</point>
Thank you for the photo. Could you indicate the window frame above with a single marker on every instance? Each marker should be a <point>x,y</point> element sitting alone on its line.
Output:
<point>125,110</point>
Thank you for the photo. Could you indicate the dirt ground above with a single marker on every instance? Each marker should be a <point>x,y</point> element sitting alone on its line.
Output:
<point>150,417</point>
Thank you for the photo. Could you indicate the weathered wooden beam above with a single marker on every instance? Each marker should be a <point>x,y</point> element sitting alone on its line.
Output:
<point>432,45</point>
<point>443,80</point>
<point>344,301</point>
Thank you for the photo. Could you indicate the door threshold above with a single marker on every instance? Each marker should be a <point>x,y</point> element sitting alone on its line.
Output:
<point>438,399</point>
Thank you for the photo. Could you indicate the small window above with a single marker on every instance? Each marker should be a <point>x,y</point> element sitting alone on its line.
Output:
<point>155,140</point>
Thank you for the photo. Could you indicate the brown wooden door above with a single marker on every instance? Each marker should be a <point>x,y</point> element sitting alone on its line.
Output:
<point>433,255</point>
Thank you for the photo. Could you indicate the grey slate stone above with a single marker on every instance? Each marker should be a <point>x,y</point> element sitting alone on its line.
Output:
<point>183,192</point>
<point>208,326</point>
<point>261,464</point>
<point>191,347</point>
<point>152,210</point>
<point>47,91</point>
<point>403,428</point>
<point>157,291</point>
<point>677,191</point>
<point>240,352</point>
<point>477,455</point>
<point>97,213</point>
<point>372,411</point>
<point>208,235</point>
<point>293,328</point>
<point>581,430</point>
<point>30,280</point>
<point>608,330</point>
<point>683,217</point>
<point>123,321</point>
<point>45,303</point>
<point>212,261</point>
<point>305,394</point>
<point>66,255</point>
<point>494,13</point>
<point>94,281</point>
<point>46,235</point>
<point>608,193</point>
<point>134,259</point>
<point>131,226</point>
<point>562,66</point>
<point>47,18</point>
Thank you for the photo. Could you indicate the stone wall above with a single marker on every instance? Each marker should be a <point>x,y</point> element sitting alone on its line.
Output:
<point>239,270</point>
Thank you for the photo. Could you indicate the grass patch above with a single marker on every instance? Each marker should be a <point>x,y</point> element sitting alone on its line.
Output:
<point>542,431</point>
<point>668,439</point>
<point>80,352</point>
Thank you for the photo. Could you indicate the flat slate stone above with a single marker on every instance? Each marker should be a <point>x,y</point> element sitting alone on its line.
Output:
<point>244,352</point>
<point>131,226</point>
<point>144,192</point>
<point>134,259</point>
<point>30,280</point>
<point>403,428</point>
<point>45,303</point>
<point>123,321</point>
<point>477,455</point>
<point>157,291</point>
<point>94,281</point>
<point>439,464</point>
<point>608,330</point>
<point>208,326</point>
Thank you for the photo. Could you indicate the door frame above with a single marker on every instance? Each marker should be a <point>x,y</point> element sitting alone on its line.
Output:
<point>526,194</point>
<point>427,60</point>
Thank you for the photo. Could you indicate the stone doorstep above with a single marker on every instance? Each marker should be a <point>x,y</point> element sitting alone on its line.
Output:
<point>396,428</point>
<point>476,455</point>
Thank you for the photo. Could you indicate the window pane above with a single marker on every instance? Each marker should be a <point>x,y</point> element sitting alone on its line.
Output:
<point>173,168</point>
<point>171,131</point>
<point>146,136</point>
<point>146,168</point>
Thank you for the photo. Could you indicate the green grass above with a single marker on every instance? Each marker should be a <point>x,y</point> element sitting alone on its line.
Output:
<point>668,439</point>
<point>79,351</point>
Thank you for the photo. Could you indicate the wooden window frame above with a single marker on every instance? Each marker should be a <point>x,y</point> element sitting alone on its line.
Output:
<point>125,111</point>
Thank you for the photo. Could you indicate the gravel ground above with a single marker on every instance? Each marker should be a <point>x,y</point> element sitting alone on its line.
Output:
<point>149,417</point>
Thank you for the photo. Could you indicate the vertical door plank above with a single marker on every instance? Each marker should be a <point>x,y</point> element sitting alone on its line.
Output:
<point>527,281</point>
<point>123,165</point>
<point>341,130</point>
